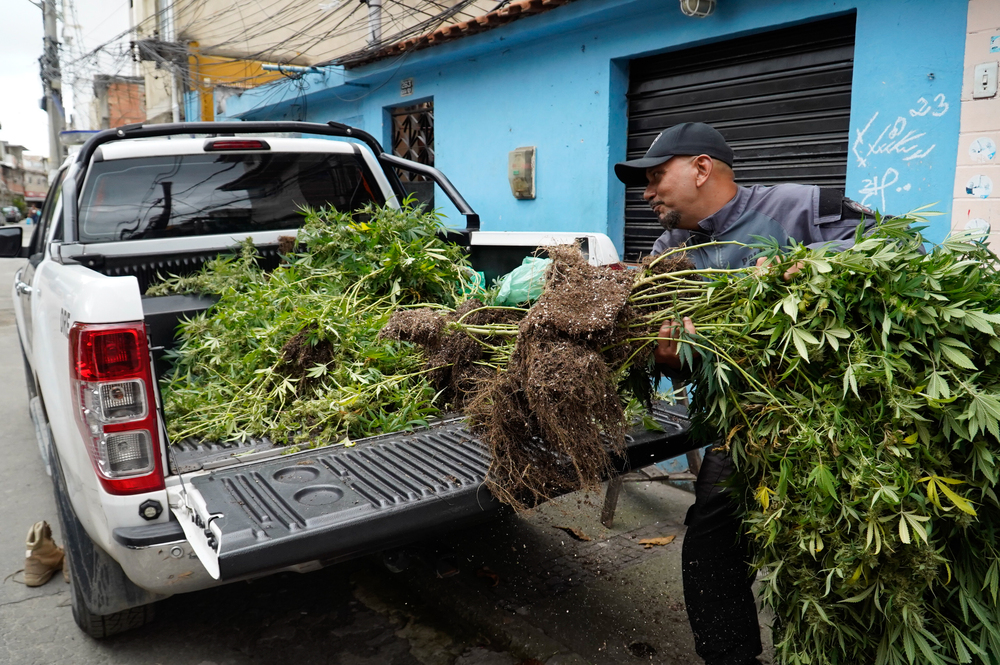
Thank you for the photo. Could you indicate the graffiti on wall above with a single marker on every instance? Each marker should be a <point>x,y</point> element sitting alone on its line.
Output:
<point>894,144</point>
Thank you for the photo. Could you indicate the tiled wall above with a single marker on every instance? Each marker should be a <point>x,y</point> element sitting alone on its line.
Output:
<point>977,176</point>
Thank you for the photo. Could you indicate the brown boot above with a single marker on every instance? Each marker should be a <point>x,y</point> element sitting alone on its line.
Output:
<point>43,557</point>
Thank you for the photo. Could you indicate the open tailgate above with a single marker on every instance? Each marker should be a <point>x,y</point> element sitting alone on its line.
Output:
<point>332,504</point>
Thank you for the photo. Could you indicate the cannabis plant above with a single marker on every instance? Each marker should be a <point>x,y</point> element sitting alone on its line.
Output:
<point>293,355</point>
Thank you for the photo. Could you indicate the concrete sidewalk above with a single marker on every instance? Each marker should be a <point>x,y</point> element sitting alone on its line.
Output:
<point>532,586</point>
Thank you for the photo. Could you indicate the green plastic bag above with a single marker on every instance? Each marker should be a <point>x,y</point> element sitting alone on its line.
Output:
<point>475,282</point>
<point>524,283</point>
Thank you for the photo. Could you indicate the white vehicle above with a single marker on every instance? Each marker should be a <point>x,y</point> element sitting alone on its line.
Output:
<point>144,519</point>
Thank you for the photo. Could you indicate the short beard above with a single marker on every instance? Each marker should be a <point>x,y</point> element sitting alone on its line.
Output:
<point>670,220</point>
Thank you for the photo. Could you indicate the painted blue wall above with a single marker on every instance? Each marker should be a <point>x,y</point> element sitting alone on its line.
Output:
<point>557,81</point>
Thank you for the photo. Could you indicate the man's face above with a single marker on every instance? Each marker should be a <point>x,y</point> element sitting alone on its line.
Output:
<point>671,190</point>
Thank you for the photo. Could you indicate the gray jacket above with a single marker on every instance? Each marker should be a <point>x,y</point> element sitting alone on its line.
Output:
<point>806,214</point>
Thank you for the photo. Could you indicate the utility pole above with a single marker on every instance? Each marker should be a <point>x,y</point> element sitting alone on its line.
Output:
<point>52,83</point>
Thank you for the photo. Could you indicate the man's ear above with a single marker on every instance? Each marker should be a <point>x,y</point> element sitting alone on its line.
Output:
<point>704,166</point>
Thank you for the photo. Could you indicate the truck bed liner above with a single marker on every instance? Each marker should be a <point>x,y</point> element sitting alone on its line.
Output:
<point>337,503</point>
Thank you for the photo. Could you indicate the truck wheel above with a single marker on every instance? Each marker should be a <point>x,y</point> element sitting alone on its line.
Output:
<point>103,577</point>
<point>100,626</point>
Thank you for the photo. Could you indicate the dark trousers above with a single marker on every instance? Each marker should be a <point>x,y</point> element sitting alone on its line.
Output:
<point>717,581</point>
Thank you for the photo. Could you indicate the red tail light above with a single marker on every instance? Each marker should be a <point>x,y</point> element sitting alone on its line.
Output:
<point>113,391</point>
<point>236,144</point>
<point>107,354</point>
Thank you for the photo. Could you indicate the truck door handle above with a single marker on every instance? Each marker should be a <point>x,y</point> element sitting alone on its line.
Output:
<point>23,288</point>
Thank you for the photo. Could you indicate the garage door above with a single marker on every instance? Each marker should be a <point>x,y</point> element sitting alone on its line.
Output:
<point>782,99</point>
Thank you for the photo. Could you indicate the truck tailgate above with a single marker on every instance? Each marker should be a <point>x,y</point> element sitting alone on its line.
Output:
<point>335,503</point>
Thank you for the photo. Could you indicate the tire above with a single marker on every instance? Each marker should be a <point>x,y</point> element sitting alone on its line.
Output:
<point>100,626</point>
<point>99,570</point>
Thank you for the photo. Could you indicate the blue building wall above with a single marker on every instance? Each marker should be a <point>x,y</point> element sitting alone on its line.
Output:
<point>558,80</point>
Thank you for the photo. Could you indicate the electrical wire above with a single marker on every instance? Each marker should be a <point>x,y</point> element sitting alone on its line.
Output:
<point>283,31</point>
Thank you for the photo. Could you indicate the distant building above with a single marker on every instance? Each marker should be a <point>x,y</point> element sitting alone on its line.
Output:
<point>11,173</point>
<point>118,100</point>
<point>36,179</point>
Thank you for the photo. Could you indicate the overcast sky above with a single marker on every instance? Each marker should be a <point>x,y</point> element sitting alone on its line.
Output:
<point>21,120</point>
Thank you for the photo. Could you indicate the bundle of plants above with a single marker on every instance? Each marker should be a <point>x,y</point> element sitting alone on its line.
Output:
<point>860,400</point>
<point>293,355</point>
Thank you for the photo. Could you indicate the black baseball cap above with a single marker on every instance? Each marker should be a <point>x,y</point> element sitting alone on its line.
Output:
<point>687,138</point>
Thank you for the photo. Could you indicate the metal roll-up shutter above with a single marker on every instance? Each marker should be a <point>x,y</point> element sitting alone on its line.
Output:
<point>782,99</point>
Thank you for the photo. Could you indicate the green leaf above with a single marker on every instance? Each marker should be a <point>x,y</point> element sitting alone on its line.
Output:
<point>937,386</point>
<point>861,596</point>
<point>820,265</point>
<point>650,424</point>
<point>957,357</point>
<point>850,381</point>
<point>915,523</point>
<point>801,338</point>
<point>981,321</point>
<point>961,503</point>
<point>790,305</point>
<point>822,478</point>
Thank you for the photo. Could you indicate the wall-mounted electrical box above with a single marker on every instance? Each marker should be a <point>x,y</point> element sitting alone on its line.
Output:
<point>984,80</point>
<point>521,172</point>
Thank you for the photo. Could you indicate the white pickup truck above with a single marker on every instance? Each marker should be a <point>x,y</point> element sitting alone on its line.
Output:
<point>144,517</point>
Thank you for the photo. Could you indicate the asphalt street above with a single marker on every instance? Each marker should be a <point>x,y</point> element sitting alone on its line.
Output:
<point>523,589</point>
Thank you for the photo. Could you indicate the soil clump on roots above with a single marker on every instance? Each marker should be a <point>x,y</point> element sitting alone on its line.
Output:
<point>553,418</point>
<point>453,355</point>
<point>300,355</point>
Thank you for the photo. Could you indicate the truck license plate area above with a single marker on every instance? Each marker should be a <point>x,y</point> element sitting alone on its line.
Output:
<point>335,503</point>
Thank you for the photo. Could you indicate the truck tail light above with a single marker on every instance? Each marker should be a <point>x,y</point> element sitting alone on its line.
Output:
<point>236,144</point>
<point>113,391</point>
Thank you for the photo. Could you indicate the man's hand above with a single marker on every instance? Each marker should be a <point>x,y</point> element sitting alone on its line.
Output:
<point>763,261</point>
<point>665,352</point>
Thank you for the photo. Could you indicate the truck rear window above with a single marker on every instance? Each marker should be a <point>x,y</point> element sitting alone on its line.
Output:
<point>193,195</point>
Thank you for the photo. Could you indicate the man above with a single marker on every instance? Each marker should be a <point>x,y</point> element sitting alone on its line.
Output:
<point>688,176</point>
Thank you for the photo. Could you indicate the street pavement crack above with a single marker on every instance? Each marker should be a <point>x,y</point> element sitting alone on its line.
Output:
<point>22,600</point>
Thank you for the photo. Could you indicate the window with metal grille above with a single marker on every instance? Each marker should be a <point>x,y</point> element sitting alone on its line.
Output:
<point>413,138</point>
<point>782,99</point>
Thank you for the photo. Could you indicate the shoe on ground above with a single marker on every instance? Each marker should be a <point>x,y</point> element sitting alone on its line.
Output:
<point>43,557</point>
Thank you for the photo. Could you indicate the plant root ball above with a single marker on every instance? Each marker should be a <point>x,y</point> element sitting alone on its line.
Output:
<point>452,354</point>
<point>659,265</point>
<point>554,418</point>
<point>580,301</point>
<point>300,355</point>
<point>421,326</point>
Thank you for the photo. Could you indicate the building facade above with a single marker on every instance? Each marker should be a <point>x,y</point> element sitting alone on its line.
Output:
<point>117,101</point>
<point>977,177</point>
<point>865,96</point>
<point>11,173</point>
<point>36,179</point>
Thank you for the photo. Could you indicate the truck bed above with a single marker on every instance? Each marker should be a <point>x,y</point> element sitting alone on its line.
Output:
<point>336,503</point>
